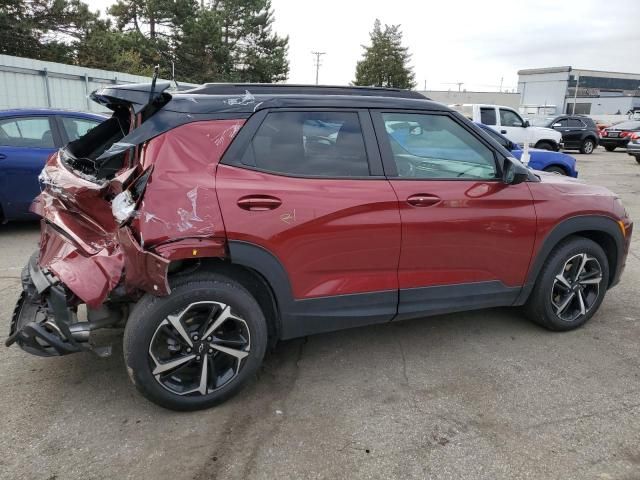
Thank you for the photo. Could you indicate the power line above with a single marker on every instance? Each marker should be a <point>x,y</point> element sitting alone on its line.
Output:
<point>317,62</point>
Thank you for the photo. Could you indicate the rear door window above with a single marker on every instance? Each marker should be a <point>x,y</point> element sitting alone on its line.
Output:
<point>317,144</point>
<point>488,116</point>
<point>77,127</point>
<point>29,132</point>
<point>576,123</point>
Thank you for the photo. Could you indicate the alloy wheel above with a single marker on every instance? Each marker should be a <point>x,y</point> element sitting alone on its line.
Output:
<point>200,349</point>
<point>588,146</point>
<point>576,287</point>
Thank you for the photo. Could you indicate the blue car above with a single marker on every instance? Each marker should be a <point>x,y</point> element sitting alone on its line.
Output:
<point>27,138</point>
<point>545,160</point>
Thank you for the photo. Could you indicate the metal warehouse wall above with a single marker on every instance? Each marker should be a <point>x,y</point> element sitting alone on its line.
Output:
<point>33,83</point>
<point>449,97</point>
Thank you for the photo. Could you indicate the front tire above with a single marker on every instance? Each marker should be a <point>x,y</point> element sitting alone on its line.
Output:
<point>570,286</point>
<point>637,157</point>
<point>544,145</point>
<point>556,169</point>
<point>196,347</point>
<point>587,146</point>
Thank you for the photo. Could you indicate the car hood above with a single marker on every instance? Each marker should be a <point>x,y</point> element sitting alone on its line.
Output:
<point>548,132</point>
<point>572,186</point>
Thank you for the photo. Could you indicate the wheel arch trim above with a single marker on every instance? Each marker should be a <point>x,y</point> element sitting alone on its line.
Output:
<point>584,224</point>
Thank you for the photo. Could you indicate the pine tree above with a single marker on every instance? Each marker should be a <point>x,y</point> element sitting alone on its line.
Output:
<point>385,63</point>
<point>232,41</point>
<point>208,40</point>
<point>45,29</point>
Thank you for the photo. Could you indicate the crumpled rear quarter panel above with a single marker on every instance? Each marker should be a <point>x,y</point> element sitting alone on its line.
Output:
<point>180,200</point>
<point>91,254</point>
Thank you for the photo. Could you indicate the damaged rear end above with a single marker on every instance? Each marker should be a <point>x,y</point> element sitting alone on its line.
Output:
<point>121,209</point>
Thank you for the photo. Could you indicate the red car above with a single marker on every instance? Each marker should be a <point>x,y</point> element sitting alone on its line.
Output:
<point>619,135</point>
<point>214,221</point>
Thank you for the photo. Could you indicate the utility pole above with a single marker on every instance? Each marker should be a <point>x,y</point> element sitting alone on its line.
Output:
<point>317,62</point>
<point>501,80</point>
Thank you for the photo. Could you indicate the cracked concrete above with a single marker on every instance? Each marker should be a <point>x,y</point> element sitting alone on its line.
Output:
<point>481,395</point>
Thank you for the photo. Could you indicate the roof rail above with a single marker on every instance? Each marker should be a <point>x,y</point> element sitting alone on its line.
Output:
<point>293,89</point>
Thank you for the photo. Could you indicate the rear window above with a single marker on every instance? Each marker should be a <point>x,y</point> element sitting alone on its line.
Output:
<point>627,126</point>
<point>77,127</point>
<point>82,154</point>
<point>488,116</point>
<point>319,144</point>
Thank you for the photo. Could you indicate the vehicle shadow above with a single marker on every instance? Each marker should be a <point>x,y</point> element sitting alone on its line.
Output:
<point>13,228</point>
<point>96,380</point>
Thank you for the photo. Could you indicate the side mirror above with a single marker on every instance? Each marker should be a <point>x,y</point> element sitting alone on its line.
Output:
<point>513,172</point>
<point>526,124</point>
<point>511,146</point>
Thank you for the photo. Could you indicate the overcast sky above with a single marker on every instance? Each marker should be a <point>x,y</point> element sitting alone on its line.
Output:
<point>477,42</point>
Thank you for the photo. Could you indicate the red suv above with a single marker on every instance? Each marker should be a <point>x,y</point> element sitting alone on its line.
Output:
<point>212,222</point>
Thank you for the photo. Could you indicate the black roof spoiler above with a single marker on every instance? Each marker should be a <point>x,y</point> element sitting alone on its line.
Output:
<point>294,89</point>
<point>135,94</point>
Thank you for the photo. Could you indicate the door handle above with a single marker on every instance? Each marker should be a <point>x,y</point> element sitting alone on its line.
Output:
<point>259,203</point>
<point>2,156</point>
<point>504,132</point>
<point>423,200</point>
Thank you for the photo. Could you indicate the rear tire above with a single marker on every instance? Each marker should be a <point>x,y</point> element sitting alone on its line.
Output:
<point>637,157</point>
<point>609,148</point>
<point>569,292</point>
<point>196,347</point>
<point>587,146</point>
<point>556,169</point>
<point>545,145</point>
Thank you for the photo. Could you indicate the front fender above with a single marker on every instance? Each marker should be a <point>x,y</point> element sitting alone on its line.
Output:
<point>572,226</point>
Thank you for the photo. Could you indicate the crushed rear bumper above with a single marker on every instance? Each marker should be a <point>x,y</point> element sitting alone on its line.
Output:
<point>44,324</point>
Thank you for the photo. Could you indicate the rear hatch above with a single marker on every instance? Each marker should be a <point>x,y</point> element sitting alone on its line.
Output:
<point>84,204</point>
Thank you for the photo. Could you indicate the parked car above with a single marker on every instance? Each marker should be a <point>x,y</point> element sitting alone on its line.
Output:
<point>618,135</point>
<point>27,138</point>
<point>633,147</point>
<point>578,131</point>
<point>509,123</point>
<point>556,162</point>
<point>215,221</point>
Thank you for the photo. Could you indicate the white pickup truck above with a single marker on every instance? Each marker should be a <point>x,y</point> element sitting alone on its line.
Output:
<point>508,122</point>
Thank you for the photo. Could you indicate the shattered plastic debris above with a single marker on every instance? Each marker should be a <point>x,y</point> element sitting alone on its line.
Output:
<point>123,206</point>
<point>246,99</point>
